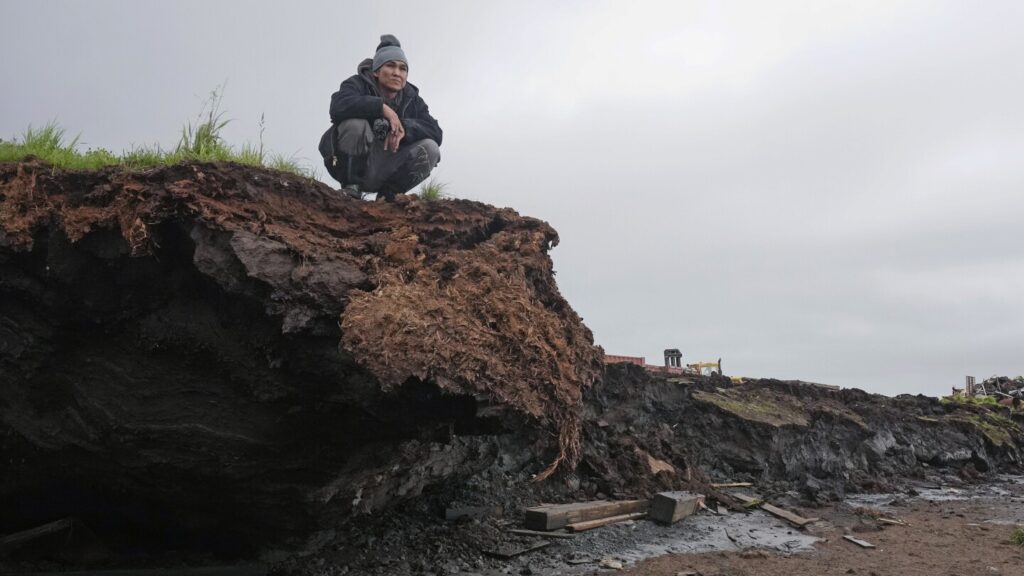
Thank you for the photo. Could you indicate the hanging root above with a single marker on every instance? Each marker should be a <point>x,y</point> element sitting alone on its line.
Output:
<point>569,448</point>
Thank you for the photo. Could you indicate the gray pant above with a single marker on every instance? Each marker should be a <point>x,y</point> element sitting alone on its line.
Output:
<point>387,172</point>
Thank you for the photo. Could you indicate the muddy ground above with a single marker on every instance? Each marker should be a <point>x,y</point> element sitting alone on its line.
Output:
<point>954,531</point>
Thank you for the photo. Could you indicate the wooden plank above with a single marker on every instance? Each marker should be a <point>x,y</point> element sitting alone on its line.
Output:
<point>513,552</point>
<point>859,542</point>
<point>591,524</point>
<point>671,507</point>
<point>796,520</point>
<point>557,516</point>
<point>733,485</point>
<point>893,521</point>
<point>14,541</point>
<point>523,532</point>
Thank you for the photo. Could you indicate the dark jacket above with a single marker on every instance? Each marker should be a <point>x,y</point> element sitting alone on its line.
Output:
<point>358,98</point>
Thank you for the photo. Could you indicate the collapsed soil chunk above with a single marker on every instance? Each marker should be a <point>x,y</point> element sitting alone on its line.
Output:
<point>185,344</point>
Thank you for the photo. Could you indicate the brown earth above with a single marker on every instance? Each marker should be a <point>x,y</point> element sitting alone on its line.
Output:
<point>944,538</point>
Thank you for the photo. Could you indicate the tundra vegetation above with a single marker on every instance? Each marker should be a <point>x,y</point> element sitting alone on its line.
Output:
<point>200,141</point>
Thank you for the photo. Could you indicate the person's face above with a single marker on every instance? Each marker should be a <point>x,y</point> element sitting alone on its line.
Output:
<point>392,76</point>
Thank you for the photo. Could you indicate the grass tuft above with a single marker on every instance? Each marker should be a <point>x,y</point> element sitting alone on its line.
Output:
<point>432,191</point>
<point>1018,536</point>
<point>201,142</point>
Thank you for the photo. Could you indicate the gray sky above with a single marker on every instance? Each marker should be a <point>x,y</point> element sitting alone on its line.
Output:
<point>830,191</point>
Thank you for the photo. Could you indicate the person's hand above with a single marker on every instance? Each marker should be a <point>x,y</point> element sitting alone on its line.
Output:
<point>397,130</point>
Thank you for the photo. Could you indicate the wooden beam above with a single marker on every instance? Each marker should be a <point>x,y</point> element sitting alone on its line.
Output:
<point>14,541</point>
<point>733,485</point>
<point>591,524</point>
<point>671,507</point>
<point>555,516</point>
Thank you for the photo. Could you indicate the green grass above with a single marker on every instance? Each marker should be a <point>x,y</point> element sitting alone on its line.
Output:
<point>973,400</point>
<point>1018,536</point>
<point>432,191</point>
<point>201,141</point>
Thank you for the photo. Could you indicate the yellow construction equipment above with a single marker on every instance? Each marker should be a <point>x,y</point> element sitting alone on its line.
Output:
<point>706,368</point>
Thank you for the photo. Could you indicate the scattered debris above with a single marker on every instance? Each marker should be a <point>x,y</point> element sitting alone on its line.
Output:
<point>859,542</point>
<point>671,507</point>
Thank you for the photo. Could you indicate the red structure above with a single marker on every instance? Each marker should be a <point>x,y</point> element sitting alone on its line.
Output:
<point>642,362</point>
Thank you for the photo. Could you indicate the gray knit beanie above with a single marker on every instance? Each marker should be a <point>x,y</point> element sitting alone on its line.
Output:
<point>389,49</point>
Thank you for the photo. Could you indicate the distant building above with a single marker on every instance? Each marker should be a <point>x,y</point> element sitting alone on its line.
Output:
<point>673,362</point>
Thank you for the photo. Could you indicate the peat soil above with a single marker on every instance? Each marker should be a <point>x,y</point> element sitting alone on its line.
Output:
<point>211,358</point>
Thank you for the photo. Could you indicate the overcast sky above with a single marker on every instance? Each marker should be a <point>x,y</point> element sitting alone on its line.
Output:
<point>830,191</point>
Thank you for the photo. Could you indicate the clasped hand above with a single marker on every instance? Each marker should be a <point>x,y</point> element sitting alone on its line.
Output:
<point>397,130</point>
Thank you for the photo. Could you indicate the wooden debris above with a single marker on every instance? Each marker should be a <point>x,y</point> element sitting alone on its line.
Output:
<point>733,485</point>
<point>704,506</point>
<point>671,507</point>
<point>591,524</point>
<point>859,542</point>
<point>555,516</point>
<point>658,466</point>
<point>476,512</point>
<point>523,532</point>
<point>14,541</point>
<point>611,564</point>
<point>794,519</point>
<point>893,521</point>
<point>506,553</point>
